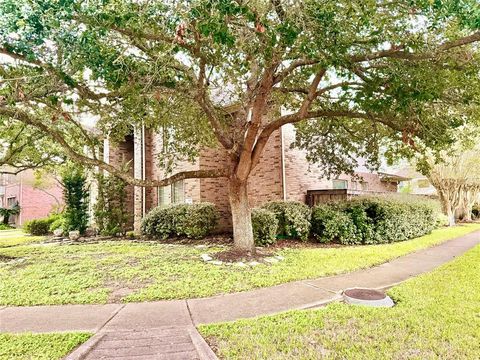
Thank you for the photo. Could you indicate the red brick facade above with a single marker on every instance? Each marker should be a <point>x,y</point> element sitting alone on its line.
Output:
<point>35,202</point>
<point>266,182</point>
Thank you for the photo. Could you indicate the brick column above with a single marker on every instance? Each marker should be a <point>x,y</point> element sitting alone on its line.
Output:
<point>138,174</point>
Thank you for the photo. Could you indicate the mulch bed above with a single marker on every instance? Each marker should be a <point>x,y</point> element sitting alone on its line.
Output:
<point>221,239</point>
<point>236,255</point>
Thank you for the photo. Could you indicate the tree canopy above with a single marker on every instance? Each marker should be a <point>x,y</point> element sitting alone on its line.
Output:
<point>356,77</point>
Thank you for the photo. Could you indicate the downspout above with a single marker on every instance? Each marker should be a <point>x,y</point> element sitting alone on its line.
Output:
<point>143,172</point>
<point>284,179</point>
<point>20,200</point>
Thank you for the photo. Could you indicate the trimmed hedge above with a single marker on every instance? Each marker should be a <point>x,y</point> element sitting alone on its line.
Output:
<point>190,220</point>
<point>265,227</point>
<point>40,227</point>
<point>329,224</point>
<point>293,218</point>
<point>374,220</point>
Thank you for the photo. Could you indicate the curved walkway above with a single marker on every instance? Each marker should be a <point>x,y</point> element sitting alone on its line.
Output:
<point>162,315</point>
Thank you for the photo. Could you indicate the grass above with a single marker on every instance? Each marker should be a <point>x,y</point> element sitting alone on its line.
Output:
<point>128,271</point>
<point>437,316</point>
<point>39,346</point>
<point>16,237</point>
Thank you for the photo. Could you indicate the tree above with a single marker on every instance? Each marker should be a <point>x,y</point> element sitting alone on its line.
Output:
<point>354,76</point>
<point>456,177</point>
<point>75,193</point>
<point>7,212</point>
<point>110,209</point>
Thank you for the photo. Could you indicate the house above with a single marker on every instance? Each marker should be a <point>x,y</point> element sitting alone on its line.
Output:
<point>415,183</point>
<point>282,174</point>
<point>36,200</point>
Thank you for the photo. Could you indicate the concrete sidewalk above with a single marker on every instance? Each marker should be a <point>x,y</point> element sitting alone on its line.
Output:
<point>294,295</point>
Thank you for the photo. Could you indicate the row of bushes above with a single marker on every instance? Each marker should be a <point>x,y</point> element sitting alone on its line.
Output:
<point>358,221</point>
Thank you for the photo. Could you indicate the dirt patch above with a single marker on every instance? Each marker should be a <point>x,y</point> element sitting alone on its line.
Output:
<point>214,240</point>
<point>118,294</point>
<point>5,258</point>
<point>119,290</point>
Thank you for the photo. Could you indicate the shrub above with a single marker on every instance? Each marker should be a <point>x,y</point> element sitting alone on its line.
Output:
<point>57,224</point>
<point>293,218</point>
<point>40,227</point>
<point>111,215</point>
<point>330,224</point>
<point>190,220</point>
<point>5,227</point>
<point>265,227</point>
<point>476,211</point>
<point>75,193</point>
<point>375,220</point>
<point>159,222</point>
<point>199,220</point>
<point>7,212</point>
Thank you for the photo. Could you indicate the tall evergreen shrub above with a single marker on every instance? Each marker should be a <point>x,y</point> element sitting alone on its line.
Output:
<point>75,193</point>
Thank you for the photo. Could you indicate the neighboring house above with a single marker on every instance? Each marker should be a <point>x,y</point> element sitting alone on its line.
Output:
<point>415,183</point>
<point>35,200</point>
<point>282,174</point>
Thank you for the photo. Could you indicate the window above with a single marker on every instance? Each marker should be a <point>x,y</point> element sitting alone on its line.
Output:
<point>423,183</point>
<point>173,194</point>
<point>164,195</point>
<point>339,184</point>
<point>364,185</point>
<point>178,193</point>
<point>11,201</point>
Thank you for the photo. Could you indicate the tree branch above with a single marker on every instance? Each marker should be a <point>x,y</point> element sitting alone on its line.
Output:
<point>28,119</point>
<point>399,53</point>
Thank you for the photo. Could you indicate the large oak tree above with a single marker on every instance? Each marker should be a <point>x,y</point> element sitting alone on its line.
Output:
<point>354,76</point>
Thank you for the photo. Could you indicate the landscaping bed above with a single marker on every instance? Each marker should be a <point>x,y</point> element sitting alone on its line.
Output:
<point>435,317</point>
<point>127,271</point>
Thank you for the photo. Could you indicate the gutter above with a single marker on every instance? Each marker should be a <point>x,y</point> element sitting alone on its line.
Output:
<point>284,179</point>
<point>20,200</point>
<point>143,172</point>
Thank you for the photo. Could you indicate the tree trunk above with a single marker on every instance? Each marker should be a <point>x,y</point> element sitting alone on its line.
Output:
<point>450,215</point>
<point>468,213</point>
<point>241,215</point>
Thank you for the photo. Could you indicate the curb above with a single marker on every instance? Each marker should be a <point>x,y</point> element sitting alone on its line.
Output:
<point>82,351</point>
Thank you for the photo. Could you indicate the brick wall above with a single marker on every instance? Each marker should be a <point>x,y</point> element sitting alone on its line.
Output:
<point>155,149</point>
<point>121,154</point>
<point>35,203</point>
<point>265,182</point>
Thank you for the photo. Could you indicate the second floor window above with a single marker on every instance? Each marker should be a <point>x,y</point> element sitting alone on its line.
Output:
<point>339,184</point>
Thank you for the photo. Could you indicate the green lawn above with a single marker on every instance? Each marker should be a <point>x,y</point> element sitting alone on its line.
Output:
<point>131,271</point>
<point>16,237</point>
<point>39,346</point>
<point>437,316</point>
